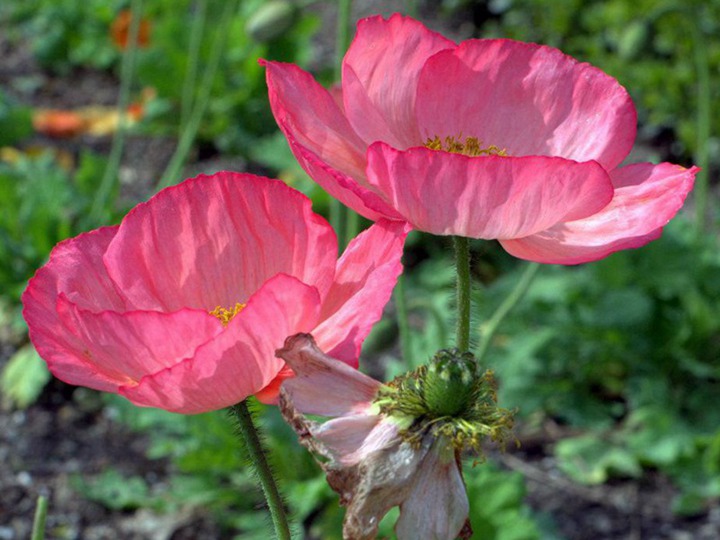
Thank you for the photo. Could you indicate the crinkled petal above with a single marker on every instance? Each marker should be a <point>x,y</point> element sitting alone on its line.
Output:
<point>313,117</point>
<point>214,240</point>
<point>341,437</point>
<point>437,506</point>
<point>488,196</point>
<point>321,139</point>
<point>323,385</point>
<point>350,439</point>
<point>365,278</point>
<point>75,268</point>
<point>121,348</point>
<point>647,196</point>
<point>380,76</point>
<point>529,99</point>
<point>382,480</point>
<point>352,192</point>
<point>238,362</point>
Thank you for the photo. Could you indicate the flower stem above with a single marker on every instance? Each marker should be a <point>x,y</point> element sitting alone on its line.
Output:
<point>341,218</point>
<point>127,68</point>
<point>703,118</point>
<point>488,329</point>
<point>38,530</point>
<point>401,306</point>
<point>255,449</point>
<point>462,263</point>
<point>193,58</point>
<point>189,132</point>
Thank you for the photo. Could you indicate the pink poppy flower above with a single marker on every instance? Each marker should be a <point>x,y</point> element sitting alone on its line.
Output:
<point>183,304</point>
<point>491,138</point>
<point>366,460</point>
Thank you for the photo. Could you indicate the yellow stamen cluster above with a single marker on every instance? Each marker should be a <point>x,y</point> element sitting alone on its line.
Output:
<point>226,315</point>
<point>471,146</point>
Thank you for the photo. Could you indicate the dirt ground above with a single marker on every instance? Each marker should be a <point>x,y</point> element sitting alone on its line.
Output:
<point>43,447</point>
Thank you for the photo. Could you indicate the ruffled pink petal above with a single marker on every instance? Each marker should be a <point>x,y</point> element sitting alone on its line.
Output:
<point>351,439</point>
<point>646,197</point>
<point>352,192</point>
<point>238,362</point>
<point>488,196</point>
<point>75,268</point>
<point>314,119</point>
<point>121,348</point>
<point>323,385</point>
<point>380,76</point>
<point>366,275</point>
<point>437,505</point>
<point>214,240</point>
<point>526,98</point>
<point>321,139</point>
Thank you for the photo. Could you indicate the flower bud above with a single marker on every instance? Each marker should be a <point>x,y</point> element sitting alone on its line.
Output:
<point>271,20</point>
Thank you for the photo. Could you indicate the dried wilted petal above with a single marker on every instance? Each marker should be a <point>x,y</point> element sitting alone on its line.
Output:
<point>365,458</point>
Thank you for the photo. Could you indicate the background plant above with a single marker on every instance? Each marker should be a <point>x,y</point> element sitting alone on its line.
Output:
<point>622,354</point>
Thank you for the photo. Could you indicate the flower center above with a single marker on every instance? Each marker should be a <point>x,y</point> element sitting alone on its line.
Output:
<point>471,146</point>
<point>226,315</point>
<point>448,398</point>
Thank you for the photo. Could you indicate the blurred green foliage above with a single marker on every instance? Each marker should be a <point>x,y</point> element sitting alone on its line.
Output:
<point>66,33</point>
<point>650,46</point>
<point>210,470</point>
<point>238,111</point>
<point>625,350</point>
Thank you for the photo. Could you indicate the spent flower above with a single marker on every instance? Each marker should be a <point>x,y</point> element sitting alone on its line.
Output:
<point>395,444</point>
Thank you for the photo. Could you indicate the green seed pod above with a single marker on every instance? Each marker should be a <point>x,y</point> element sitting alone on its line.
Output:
<point>271,20</point>
<point>449,383</point>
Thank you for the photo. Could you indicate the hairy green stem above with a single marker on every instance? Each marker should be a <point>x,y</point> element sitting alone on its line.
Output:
<point>170,176</point>
<point>127,69</point>
<point>462,264</point>
<point>703,118</point>
<point>255,450</point>
<point>38,529</point>
<point>488,329</point>
<point>189,82</point>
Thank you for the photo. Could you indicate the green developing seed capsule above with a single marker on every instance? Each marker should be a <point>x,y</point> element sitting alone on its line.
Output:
<point>449,383</point>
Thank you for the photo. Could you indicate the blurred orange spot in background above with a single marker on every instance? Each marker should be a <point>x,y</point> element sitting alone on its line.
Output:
<point>120,30</point>
<point>58,123</point>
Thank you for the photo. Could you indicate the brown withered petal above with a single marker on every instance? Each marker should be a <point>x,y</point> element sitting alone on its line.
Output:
<point>366,461</point>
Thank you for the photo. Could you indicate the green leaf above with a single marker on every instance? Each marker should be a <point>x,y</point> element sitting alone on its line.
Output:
<point>591,460</point>
<point>23,378</point>
<point>115,490</point>
<point>497,508</point>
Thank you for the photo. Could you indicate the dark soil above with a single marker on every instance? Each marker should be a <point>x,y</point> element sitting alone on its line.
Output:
<point>44,447</point>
